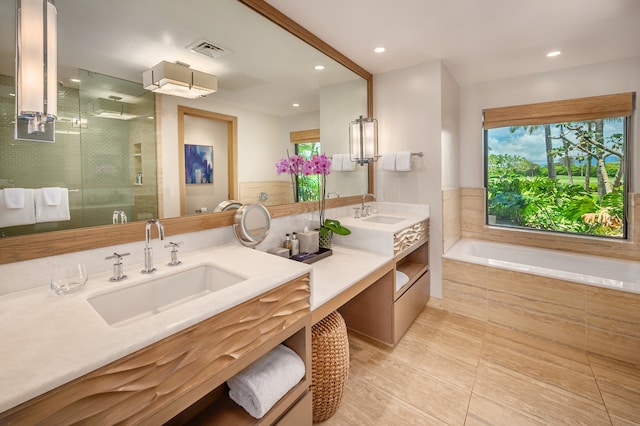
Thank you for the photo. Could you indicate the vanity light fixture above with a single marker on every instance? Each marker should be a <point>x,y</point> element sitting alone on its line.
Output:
<point>363,140</point>
<point>36,63</point>
<point>179,80</point>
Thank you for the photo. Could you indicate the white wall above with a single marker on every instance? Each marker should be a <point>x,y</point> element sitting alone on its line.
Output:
<point>339,105</point>
<point>408,106</point>
<point>592,80</point>
<point>450,131</point>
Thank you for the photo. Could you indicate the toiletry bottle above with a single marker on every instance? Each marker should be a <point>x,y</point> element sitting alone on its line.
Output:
<point>295,244</point>
<point>287,244</point>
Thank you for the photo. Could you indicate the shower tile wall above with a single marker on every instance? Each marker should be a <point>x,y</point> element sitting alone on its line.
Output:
<point>94,162</point>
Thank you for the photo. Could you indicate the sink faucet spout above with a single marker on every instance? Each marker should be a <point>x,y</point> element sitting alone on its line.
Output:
<point>364,214</point>
<point>148,250</point>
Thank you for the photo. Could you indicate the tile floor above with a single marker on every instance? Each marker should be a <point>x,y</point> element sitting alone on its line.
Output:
<point>452,370</point>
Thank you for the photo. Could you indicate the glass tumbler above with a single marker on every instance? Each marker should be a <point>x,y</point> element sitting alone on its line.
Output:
<point>68,278</point>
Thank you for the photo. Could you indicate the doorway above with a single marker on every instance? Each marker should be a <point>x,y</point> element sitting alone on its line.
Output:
<point>214,137</point>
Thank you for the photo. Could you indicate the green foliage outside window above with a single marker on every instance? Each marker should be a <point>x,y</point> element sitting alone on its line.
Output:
<point>573,183</point>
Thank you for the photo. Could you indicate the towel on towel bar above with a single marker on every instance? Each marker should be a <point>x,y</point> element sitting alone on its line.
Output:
<point>389,162</point>
<point>403,161</point>
<point>259,386</point>
<point>52,196</point>
<point>14,198</point>
<point>18,216</point>
<point>52,213</point>
<point>347,164</point>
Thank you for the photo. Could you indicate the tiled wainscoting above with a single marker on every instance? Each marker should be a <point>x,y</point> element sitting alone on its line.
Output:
<point>594,319</point>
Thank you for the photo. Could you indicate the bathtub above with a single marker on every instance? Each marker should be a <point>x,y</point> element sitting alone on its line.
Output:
<point>592,270</point>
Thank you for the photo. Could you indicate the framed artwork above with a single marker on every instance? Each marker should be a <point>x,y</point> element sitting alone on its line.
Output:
<point>198,164</point>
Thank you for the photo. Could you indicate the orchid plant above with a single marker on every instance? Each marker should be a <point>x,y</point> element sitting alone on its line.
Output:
<point>318,165</point>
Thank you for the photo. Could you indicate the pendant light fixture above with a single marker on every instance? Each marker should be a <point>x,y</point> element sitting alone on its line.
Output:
<point>36,64</point>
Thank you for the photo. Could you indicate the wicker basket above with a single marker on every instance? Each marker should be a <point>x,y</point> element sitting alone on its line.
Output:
<point>330,365</point>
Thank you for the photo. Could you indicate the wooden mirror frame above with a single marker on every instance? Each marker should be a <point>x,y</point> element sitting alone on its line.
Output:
<point>15,249</point>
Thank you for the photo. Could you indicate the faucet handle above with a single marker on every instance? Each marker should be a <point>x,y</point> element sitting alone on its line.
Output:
<point>174,252</point>
<point>356,214</point>
<point>118,269</point>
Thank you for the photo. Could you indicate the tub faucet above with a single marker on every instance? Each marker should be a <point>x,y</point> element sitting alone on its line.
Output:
<point>148,250</point>
<point>365,213</point>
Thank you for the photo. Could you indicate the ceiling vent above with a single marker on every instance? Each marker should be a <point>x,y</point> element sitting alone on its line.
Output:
<point>208,48</point>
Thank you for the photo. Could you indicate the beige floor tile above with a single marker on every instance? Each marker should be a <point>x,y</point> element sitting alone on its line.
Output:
<point>424,392</point>
<point>536,399</point>
<point>445,366</point>
<point>365,404</point>
<point>454,370</point>
<point>620,387</point>
<point>483,412</point>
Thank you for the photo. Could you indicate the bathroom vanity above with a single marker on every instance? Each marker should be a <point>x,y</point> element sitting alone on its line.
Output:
<point>386,309</point>
<point>107,354</point>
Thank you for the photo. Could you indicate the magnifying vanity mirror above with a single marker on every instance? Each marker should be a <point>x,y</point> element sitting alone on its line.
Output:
<point>119,146</point>
<point>251,224</point>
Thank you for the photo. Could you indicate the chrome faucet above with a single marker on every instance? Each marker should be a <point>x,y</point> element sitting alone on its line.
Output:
<point>365,212</point>
<point>148,250</point>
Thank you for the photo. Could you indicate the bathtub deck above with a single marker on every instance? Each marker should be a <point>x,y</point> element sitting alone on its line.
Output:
<point>453,370</point>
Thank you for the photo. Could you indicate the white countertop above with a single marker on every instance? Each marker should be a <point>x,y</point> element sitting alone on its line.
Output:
<point>49,340</point>
<point>336,273</point>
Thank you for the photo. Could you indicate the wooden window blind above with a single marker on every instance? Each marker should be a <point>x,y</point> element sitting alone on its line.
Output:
<point>305,136</point>
<point>581,109</point>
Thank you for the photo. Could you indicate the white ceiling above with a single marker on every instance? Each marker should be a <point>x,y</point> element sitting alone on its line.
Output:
<point>478,40</point>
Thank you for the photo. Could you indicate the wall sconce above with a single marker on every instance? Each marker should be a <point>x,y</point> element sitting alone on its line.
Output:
<point>36,64</point>
<point>363,140</point>
<point>179,80</point>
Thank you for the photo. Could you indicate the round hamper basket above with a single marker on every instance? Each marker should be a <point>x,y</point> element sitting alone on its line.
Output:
<point>329,365</point>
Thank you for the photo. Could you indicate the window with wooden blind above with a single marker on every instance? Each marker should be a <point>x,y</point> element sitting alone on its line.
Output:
<point>559,166</point>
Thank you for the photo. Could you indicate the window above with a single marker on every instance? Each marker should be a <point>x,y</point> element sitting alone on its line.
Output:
<point>308,186</point>
<point>559,166</point>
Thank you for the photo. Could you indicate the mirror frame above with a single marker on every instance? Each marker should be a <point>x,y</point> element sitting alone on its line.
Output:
<point>20,248</point>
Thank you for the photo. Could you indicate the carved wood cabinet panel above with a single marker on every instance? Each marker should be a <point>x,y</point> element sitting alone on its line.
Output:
<point>162,380</point>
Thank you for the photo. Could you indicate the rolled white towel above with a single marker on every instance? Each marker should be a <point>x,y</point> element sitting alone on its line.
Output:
<point>401,279</point>
<point>259,386</point>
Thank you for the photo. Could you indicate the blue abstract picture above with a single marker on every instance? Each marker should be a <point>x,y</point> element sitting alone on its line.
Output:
<point>198,164</point>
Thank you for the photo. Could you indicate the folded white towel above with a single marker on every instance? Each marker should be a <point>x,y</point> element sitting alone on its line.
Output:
<point>47,213</point>
<point>336,162</point>
<point>389,162</point>
<point>347,164</point>
<point>403,161</point>
<point>52,196</point>
<point>15,217</point>
<point>259,386</point>
<point>14,198</point>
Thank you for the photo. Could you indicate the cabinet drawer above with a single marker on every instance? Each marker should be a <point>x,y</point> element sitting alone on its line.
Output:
<point>409,305</point>
<point>300,414</point>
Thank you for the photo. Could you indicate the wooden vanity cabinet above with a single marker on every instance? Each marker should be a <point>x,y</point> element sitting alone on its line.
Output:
<point>182,378</point>
<point>384,314</point>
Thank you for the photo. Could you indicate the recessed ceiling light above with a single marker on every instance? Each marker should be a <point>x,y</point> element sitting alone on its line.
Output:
<point>12,94</point>
<point>379,49</point>
<point>553,53</point>
<point>295,105</point>
<point>74,80</point>
<point>319,67</point>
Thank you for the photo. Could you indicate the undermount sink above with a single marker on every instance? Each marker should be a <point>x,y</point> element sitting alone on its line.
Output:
<point>124,306</point>
<point>387,220</point>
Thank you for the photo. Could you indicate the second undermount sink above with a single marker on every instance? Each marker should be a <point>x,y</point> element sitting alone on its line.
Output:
<point>387,220</point>
<point>129,304</point>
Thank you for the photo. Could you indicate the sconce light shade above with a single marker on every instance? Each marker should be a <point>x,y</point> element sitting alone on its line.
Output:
<point>179,80</point>
<point>363,140</point>
<point>36,63</point>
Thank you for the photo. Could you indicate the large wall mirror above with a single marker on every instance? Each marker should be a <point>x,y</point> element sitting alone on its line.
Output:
<point>109,163</point>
